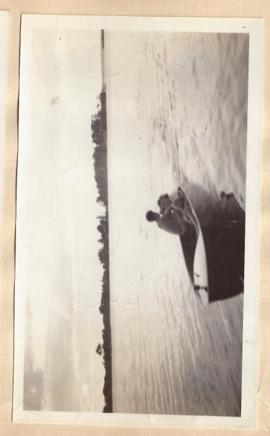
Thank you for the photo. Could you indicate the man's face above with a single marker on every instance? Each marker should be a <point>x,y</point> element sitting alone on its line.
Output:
<point>163,202</point>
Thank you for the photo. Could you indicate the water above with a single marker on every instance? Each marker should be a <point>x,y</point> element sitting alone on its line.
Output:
<point>177,109</point>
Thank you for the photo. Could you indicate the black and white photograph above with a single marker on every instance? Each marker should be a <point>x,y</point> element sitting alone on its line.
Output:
<point>136,257</point>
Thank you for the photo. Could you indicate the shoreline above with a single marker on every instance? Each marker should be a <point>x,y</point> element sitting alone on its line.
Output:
<point>99,137</point>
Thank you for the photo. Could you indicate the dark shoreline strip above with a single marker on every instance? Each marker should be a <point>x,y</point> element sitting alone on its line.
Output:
<point>99,138</point>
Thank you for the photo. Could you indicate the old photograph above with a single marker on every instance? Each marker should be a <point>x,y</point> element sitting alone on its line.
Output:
<point>137,220</point>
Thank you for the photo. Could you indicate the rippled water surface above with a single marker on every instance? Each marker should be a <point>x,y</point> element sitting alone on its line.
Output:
<point>177,108</point>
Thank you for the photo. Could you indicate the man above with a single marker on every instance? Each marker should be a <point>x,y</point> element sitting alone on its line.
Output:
<point>176,217</point>
<point>176,214</point>
<point>223,232</point>
<point>170,219</point>
<point>181,203</point>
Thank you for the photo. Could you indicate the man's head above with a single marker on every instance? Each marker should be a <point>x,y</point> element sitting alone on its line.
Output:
<point>151,216</point>
<point>163,202</point>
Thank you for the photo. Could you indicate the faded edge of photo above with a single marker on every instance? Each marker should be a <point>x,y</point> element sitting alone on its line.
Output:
<point>62,278</point>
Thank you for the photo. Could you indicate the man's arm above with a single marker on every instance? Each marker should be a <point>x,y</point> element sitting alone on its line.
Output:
<point>186,208</point>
